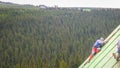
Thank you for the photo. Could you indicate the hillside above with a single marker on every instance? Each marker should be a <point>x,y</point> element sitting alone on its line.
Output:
<point>31,37</point>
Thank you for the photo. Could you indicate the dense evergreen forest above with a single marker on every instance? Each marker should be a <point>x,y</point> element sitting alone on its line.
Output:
<point>31,37</point>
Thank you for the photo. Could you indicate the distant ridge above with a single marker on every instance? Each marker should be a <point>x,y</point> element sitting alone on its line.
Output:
<point>1,2</point>
<point>10,3</point>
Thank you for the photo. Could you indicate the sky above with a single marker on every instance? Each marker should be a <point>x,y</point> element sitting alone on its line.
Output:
<point>70,3</point>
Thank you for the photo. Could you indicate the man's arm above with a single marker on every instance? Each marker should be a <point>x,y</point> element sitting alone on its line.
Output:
<point>105,41</point>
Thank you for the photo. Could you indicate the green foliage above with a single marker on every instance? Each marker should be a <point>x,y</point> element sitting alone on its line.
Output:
<point>51,38</point>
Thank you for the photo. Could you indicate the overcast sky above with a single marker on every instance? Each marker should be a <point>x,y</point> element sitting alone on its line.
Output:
<point>71,3</point>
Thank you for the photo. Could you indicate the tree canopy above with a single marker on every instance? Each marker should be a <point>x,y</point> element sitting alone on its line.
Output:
<point>51,38</point>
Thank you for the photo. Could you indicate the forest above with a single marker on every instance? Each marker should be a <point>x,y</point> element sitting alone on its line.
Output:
<point>32,37</point>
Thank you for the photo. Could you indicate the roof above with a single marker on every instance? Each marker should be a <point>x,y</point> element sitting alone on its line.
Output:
<point>104,58</point>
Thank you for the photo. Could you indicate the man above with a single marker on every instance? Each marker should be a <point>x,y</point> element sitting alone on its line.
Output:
<point>118,51</point>
<point>96,48</point>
